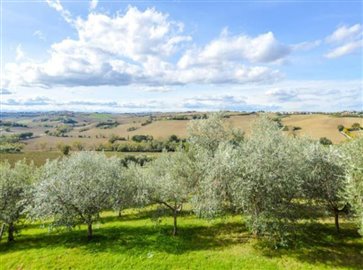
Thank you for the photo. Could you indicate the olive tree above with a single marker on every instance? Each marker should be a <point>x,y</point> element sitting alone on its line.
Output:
<point>167,181</point>
<point>325,182</point>
<point>128,193</point>
<point>14,191</point>
<point>212,143</point>
<point>76,189</point>
<point>353,153</point>
<point>208,133</point>
<point>212,194</point>
<point>269,179</point>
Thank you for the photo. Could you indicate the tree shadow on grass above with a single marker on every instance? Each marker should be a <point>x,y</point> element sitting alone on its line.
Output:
<point>314,244</point>
<point>320,244</point>
<point>135,215</point>
<point>134,240</point>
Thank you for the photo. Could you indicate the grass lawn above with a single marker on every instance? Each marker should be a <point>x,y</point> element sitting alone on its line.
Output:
<point>135,241</point>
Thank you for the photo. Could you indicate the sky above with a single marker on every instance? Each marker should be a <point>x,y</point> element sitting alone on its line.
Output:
<point>141,56</point>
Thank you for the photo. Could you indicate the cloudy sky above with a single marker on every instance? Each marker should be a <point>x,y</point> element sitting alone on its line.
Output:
<point>137,56</point>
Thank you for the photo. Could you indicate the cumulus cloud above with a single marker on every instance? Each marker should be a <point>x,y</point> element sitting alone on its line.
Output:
<point>142,47</point>
<point>347,40</point>
<point>261,49</point>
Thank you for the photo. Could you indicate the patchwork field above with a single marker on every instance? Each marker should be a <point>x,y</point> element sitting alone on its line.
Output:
<point>86,131</point>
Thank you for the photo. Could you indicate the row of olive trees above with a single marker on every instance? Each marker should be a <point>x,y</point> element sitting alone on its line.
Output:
<point>274,180</point>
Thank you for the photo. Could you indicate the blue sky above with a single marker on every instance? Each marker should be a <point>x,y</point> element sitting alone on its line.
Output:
<point>123,56</point>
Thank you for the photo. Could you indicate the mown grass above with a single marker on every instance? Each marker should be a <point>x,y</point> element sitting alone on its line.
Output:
<point>40,157</point>
<point>135,241</point>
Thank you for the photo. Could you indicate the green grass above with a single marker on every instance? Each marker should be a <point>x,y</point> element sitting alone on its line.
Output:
<point>135,241</point>
<point>40,157</point>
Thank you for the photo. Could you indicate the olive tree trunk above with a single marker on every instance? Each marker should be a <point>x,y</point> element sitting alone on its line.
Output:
<point>336,216</point>
<point>11,230</point>
<point>175,227</point>
<point>89,231</point>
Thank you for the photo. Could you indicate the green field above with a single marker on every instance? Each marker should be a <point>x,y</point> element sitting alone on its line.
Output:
<point>135,241</point>
<point>39,157</point>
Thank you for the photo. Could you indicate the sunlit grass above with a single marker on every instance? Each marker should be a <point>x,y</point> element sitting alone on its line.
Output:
<point>136,241</point>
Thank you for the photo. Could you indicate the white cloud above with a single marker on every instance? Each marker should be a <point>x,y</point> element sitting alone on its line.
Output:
<point>139,47</point>
<point>345,33</point>
<point>306,45</point>
<point>345,49</point>
<point>55,4</point>
<point>158,89</point>
<point>282,95</point>
<point>261,49</point>
<point>93,4</point>
<point>136,35</point>
<point>19,53</point>
<point>39,34</point>
<point>316,95</point>
<point>347,39</point>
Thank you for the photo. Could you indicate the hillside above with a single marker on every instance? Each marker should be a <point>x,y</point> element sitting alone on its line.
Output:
<point>94,129</point>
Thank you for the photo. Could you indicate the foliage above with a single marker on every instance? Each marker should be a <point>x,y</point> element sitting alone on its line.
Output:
<point>14,192</point>
<point>14,138</point>
<point>107,124</point>
<point>340,127</point>
<point>64,148</point>
<point>113,138</point>
<point>167,181</point>
<point>211,147</point>
<point>60,131</point>
<point>326,182</point>
<point>325,141</point>
<point>268,185</point>
<point>208,133</point>
<point>131,159</point>
<point>131,129</point>
<point>353,151</point>
<point>11,147</point>
<point>76,189</point>
<point>11,124</point>
<point>78,145</point>
<point>141,138</point>
<point>356,126</point>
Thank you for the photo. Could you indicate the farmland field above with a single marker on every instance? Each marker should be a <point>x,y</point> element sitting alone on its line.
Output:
<point>136,241</point>
<point>85,129</point>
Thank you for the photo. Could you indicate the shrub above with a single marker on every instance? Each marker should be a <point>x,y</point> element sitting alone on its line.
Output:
<point>356,126</point>
<point>325,141</point>
<point>141,138</point>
